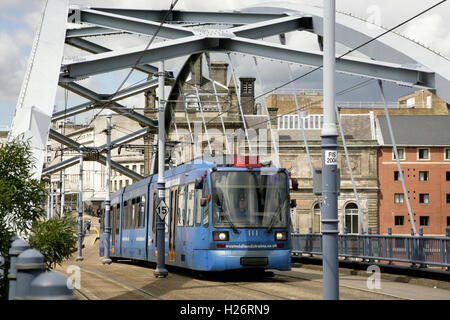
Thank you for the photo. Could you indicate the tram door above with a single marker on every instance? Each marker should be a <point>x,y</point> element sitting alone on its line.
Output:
<point>113,228</point>
<point>173,221</point>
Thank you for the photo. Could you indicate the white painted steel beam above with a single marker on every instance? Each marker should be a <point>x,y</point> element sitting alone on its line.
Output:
<point>37,95</point>
<point>126,58</point>
<point>103,101</point>
<point>177,16</point>
<point>133,25</point>
<point>273,27</point>
<point>92,47</point>
<point>353,66</point>
<point>58,137</point>
<point>90,32</point>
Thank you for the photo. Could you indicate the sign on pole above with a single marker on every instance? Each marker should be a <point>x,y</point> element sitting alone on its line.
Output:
<point>162,210</point>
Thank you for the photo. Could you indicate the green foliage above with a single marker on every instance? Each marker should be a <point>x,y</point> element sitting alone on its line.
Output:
<point>56,239</point>
<point>21,196</point>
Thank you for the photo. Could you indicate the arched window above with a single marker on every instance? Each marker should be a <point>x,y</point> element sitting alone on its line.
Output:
<point>351,218</point>
<point>316,218</point>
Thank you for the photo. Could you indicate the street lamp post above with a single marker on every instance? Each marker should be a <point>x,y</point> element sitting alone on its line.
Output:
<point>160,270</point>
<point>80,213</point>
<point>329,159</point>
<point>106,258</point>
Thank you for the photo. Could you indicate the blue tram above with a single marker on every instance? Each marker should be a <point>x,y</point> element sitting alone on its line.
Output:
<point>221,217</point>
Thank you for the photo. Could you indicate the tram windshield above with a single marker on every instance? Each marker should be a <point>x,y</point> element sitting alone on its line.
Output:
<point>249,199</point>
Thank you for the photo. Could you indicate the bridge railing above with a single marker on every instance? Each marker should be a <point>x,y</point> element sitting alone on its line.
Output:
<point>417,250</point>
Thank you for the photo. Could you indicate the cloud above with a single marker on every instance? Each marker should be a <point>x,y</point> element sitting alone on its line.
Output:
<point>13,65</point>
<point>431,31</point>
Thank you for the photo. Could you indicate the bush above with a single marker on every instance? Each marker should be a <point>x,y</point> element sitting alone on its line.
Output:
<point>56,239</point>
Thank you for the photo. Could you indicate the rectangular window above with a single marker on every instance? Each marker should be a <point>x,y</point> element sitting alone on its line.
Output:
<point>423,154</point>
<point>398,198</point>
<point>401,154</point>
<point>448,198</point>
<point>424,220</point>
<point>117,220</point>
<point>423,175</point>
<point>448,221</point>
<point>198,207</point>
<point>396,175</point>
<point>428,102</point>
<point>447,154</point>
<point>190,205</point>
<point>424,198</point>
<point>447,176</point>
<point>133,214</point>
<point>206,208</point>
<point>181,212</point>
<point>399,220</point>
<point>125,215</point>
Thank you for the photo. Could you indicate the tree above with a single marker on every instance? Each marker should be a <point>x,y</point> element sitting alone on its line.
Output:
<point>22,212</point>
<point>56,239</point>
<point>21,196</point>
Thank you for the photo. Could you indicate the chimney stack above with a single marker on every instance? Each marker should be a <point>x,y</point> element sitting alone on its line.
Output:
<point>248,95</point>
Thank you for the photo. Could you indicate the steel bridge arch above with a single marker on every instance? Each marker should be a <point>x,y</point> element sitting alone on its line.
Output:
<point>397,58</point>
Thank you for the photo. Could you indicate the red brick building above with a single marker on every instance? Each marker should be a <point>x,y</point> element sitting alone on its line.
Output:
<point>423,144</point>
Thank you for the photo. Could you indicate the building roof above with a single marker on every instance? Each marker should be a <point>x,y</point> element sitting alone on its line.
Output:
<point>417,130</point>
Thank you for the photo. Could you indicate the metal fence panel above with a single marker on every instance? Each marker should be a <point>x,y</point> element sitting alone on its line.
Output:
<point>420,250</point>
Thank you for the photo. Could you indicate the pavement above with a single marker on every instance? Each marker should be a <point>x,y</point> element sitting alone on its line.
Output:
<point>126,281</point>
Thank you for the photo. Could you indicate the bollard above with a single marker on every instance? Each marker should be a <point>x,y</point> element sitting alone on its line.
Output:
<point>30,264</point>
<point>17,247</point>
<point>50,286</point>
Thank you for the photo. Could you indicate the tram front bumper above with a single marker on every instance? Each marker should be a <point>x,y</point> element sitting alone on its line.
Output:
<point>220,260</point>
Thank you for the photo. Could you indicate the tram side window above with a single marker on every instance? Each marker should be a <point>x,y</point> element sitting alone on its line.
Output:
<point>206,208</point>
<point>181,212</point>
<point>130,214</point>
<point>117,220</point>
<point>190,205</point>
<point>198,207</point>
<point>141,223</point>
<point>125,215</point>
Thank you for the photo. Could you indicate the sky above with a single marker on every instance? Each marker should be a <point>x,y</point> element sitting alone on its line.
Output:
<point>20,18</point>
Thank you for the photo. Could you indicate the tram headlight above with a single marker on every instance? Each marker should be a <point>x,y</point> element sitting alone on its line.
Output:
<point>221,236</point>
<point>280,236</point>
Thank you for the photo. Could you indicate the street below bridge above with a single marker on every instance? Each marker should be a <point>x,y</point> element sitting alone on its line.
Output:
<point>126,280</point>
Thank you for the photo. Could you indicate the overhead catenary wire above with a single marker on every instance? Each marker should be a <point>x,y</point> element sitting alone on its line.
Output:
<point>238,95</point>
<point>400,172</point>
<point>359,46</point>
<point>138,60</point>
<point>211,75</point>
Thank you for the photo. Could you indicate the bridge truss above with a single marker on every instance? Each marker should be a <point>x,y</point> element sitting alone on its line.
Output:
<point>392,58</point>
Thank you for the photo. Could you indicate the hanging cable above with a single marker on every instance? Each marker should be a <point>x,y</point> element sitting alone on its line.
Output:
<point>211,75</point>
<point>394,145</point>
<point>238,95</point>
<point>359,46</point>
<point>274,142</point>
<point>361,217</point>
<point>199,103</point>
<point>305,141</point>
